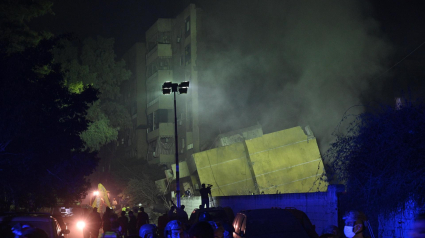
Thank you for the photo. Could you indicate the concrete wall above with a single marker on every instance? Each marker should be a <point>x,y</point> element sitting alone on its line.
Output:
<point>320,207</point>
<point>287,161</point>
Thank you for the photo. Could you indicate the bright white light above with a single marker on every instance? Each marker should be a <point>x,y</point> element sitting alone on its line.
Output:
<point>95,193</point>
<point>140,204</point>
<point>81,225</point>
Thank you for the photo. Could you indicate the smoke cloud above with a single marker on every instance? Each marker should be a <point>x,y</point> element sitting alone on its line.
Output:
<point>286,63</point>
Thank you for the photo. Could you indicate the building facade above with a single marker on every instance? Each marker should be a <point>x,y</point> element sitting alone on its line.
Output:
<point>168,54</point>
<point>171,56</point>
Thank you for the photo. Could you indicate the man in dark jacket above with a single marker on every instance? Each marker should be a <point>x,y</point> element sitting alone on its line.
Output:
<point>204,195</point>
<point>123,222</point>
<point>142,218</point>
<point>132,224</point>
<point>94,223</point>
<point>106,219</point>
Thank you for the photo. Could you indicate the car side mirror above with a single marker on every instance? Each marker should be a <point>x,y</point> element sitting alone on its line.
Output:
<point>65,232</point>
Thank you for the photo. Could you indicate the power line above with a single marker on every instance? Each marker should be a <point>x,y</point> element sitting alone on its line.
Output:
<point>404,58</point>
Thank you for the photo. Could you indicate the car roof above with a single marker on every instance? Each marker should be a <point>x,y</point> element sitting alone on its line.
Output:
<point>42,217</point>
<point>262,210</point>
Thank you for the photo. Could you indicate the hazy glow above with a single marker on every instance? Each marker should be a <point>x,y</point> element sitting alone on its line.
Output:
<point>81,225</point>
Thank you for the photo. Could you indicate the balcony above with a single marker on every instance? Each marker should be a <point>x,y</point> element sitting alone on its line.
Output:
<point>164,130</point>
<point>157,65</point>
<point>162,159</point>
<point>156,100</point>
<point>159,50</point>
<point>161,102</point>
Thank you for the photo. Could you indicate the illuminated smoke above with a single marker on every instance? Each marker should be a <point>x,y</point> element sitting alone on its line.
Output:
<point>287,63</point>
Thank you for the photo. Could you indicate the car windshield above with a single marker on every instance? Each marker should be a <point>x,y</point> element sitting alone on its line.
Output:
<point>218,215</point>
<point>274,223</point>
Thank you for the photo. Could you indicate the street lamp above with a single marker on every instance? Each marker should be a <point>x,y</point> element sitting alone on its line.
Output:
<point>95,193</point>
<point>167,88</point>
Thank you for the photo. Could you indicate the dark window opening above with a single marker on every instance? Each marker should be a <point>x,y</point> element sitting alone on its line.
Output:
<point>187,26</point>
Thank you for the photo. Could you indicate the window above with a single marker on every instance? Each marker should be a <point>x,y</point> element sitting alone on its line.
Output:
<point>187,26</point>
<point>159,116</point>
<point>164,37</point>
<point>187,55</point>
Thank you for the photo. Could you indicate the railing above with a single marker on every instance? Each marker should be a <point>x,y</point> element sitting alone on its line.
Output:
<point>159,38</point>
<point>153,102</point>
<point>161,63</point>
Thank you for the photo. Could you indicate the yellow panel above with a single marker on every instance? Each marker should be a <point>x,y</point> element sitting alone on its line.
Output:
<point>183,170</point>
<point>226,169</point>
<point>286,161</point>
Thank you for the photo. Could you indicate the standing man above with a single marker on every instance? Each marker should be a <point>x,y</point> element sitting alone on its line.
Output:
<point>354,224</point>
<point>106,220</point>
<point>95,222</point>
<point>142,218</point>
<point>123,221</point>
<point>204,195</point>
<point>181,214</point>
<point>132,224</point>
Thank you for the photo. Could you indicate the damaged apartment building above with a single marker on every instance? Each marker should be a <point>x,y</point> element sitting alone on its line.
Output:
<point>238,162</point>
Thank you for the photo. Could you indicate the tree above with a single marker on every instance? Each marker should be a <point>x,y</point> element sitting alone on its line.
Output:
<point>41,158</point>
<point>92,62</point>
<point>138,180</point>
<point>15,34</point>
<point>381,158</point>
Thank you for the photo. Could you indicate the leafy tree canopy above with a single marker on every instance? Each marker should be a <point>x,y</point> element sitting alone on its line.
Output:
<point>138,178</point>
<point>92,62</point>
<point>41,122</point>
<point>15,34</point>
<point>381,158</point>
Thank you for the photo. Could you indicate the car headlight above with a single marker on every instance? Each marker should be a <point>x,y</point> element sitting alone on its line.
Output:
<point>81,225</point>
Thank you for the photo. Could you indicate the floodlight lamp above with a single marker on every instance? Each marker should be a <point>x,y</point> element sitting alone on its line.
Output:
<point>184,84</point>
<point>167,84</point>
<point>95,193</point>
<point>166,91</point>
<point>183,90</point>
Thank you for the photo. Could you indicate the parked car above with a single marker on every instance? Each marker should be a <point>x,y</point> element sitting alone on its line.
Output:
<point>217,214</point>
<point>273,222</point>
<point>221,215</point>
<point>42,221</point>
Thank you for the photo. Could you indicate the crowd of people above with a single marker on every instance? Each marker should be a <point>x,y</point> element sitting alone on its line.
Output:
<point>171,224</point>
<point>174,224</point>
<point>125,225</point>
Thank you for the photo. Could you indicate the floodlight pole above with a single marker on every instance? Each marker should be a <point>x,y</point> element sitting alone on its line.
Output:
<point>167,88</point>
<point>177,152</point>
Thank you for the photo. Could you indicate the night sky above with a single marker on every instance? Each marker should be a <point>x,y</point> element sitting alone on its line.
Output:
<point>292,62</point>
